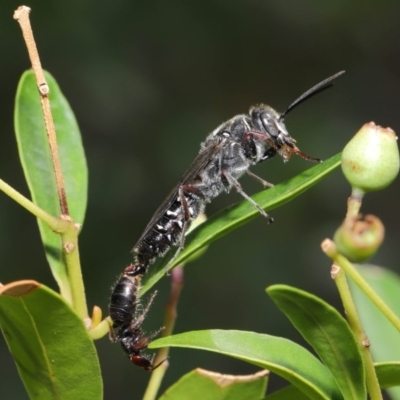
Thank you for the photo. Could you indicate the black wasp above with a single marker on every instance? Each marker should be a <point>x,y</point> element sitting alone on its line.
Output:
<point>226,155</point>
<point>127,319</point>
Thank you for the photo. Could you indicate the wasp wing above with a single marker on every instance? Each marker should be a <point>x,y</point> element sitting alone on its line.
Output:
<point>199,164</point>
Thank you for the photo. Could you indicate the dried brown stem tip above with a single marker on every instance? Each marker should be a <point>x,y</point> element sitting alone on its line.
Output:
<point>329,248</point>
<point>22,16</point>
<point>335,269</point>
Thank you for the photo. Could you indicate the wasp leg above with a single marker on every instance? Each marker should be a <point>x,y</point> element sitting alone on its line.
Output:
<point>257,178</point>
<point>233,182</point>
<point>138,321</point>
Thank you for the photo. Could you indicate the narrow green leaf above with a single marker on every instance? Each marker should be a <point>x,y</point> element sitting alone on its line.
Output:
<point>215,386</point>
<point>383,336</point>
<point>54,355</point>
<point>37,164</point>
<point>278,355</point>
<point>328,333</point>
<point>388,374</point>
<point>288,393</point>
<point>232,217</point>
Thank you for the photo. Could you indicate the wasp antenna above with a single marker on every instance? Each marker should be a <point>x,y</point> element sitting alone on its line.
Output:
<point>325,84</point>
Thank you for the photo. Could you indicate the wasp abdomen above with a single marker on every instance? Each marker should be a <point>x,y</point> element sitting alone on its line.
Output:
<point>168,230</point>
<point>127,320</point>
<point>123,301</point>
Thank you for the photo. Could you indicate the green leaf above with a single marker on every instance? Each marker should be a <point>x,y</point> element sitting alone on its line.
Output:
<point>328,333</point>
<point>388,374</point>
<point>37,164</point>
<point>232,217</point>
<point>288,393</point>
<point>214,386</point>
<point>278,355</point>
<point>383,336</point>
<point>54,355</point>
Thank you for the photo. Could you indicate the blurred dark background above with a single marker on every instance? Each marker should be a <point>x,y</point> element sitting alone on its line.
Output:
<point>148,81</point>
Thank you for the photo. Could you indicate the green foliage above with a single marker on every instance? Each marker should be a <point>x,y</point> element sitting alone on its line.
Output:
<point>51,347</point>
<point>328,333</point>
<point>279,355</point>
<point>36,161</point>
<point>235,216</point>
<point>341,376</point>
<point>218,387</point>
<point>384,338</point>
<point>56,358</point>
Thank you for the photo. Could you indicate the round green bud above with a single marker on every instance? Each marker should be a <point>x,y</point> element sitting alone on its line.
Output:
<point>370,161</point>
<point>358,239</point>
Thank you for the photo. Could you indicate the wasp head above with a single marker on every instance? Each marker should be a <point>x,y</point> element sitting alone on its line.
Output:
<point>272,129</point>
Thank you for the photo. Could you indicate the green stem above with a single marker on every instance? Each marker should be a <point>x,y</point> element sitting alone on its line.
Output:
<point>353,206</point>
<point>155,381</point>
<point>102,329</point>
<point>69,237</point>
<point>329,248</point>
<point>71,251</point>
<point>355,325</point>
<point>350,271</point>
<point>55,224</point>
<point>169,323</point>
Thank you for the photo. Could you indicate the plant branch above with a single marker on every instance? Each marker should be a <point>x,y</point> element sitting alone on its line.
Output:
<point>330,249</point>
<point>22,16</point>
<point>355,325</point>
<point>169,323</point>
<point>55,224</point>
<point>69,230</point>
<point>71,251</point>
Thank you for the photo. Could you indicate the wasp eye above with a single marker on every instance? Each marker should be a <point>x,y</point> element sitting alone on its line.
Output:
<point>269,124</point>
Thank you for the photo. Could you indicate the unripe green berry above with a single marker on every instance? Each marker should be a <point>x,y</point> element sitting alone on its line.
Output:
<point>370,161</point>
<point>358,239</point>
